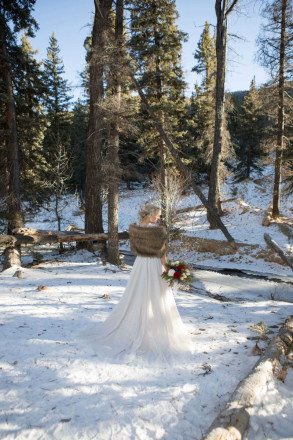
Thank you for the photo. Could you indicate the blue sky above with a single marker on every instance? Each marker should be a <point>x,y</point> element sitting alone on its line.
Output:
<point>71,22</point>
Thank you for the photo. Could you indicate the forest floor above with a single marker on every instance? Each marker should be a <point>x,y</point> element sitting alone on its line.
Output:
<point>53,386</point>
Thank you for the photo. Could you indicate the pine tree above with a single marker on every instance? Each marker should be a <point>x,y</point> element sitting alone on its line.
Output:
<point>252,123</point>
<point>156,44</point>
<point>206,59</point>
<point>203,100</point>
<point>31,123</point>
<point>78,138</point>
<point>56,103</point>
<point>276,55</point>
<point>15,15</point>
<point>57,135</point>
<point>203,106</point>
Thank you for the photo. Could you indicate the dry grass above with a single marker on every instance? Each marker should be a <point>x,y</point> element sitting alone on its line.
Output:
<point>221,247</point>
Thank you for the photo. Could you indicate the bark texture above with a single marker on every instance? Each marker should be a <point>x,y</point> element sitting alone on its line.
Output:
<point>93,184</point>
<point>280,130</point>
<point>222,11</point>
<point>15,219</point>
<point>113,138</point>
<point>233,421</point>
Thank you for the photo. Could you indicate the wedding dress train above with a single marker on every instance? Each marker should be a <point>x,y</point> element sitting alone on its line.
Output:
<point>146,322</point>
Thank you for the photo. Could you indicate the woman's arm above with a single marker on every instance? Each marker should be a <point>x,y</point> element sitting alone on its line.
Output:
<point>164,261</point>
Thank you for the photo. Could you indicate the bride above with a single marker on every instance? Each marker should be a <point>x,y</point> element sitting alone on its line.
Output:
<point>146,322</point>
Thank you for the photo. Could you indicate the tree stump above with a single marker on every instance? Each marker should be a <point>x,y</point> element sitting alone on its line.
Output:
<point>12,257</point>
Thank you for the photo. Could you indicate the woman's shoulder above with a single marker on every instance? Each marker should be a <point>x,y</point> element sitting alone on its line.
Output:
<point>153,226</point>
<point>148,229</point>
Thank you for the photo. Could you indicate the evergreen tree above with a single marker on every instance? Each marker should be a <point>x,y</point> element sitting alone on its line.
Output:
<point>57,135</point>
<point>15,15</point>
<point>156,44</point>
<point>203,105</point>
<point>78,138</point>
<point>276,55</point>
<point>206,59</point>
<point>30,94</point>
<point>251,131</point>
<point>203,100</point>
<point>56,103</point>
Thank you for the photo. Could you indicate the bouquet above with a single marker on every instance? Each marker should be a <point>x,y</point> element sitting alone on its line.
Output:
<point>177,271</point>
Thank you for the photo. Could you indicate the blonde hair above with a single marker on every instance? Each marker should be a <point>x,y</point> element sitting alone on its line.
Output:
<point>148,210</point>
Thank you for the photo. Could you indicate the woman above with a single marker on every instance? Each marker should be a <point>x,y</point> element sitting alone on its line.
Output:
<point>146,321</point>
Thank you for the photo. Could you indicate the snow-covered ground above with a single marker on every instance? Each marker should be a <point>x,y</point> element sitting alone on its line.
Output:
<point>53,386</point>
<point>243,219</point>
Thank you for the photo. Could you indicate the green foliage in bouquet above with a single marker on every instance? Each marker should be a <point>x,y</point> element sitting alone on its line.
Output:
<point>177,271</point>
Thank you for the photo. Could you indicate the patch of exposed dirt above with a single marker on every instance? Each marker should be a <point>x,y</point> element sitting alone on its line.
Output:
<point>221,247</point>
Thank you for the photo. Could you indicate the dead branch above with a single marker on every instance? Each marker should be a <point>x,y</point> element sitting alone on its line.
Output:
<point>279,251</point>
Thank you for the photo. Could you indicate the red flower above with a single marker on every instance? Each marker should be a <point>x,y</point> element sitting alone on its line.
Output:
<point>180,267</point>
<point>177,275</point>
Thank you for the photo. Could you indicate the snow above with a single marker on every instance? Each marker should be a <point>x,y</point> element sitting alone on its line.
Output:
<point>53,386</point>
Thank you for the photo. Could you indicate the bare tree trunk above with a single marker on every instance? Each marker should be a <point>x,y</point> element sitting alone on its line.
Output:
<point>15,219</point>
<point>222,10</point>
<point>162,144</point>
<point>249,157</point>
<point>280,132</point>
<point>163,178</point>
<point>113,148</point>
<point>4,177</point>
<point>93,184</point>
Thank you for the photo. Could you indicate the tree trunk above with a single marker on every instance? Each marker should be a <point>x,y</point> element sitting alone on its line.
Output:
<point>12,257</point>
<point>15,219</point>
<point>162,144</point>
<point>222,11</point>
<point>249,157</point>
<point>221,42</point>
<point>93,184</point>
<point>163,179</point>
<point>113,158</point>
<point>280,132</point>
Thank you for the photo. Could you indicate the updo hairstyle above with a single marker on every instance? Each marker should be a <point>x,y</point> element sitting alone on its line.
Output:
<point>148,210</point>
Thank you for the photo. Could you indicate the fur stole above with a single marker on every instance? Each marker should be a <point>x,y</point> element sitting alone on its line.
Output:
<point>148,241</point>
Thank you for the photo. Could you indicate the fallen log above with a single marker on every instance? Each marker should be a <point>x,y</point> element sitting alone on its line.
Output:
<point>32,237</point>
<point>278,249</point>
<point>26,236</point>
<point>286,229</point>
<point>233,420</point>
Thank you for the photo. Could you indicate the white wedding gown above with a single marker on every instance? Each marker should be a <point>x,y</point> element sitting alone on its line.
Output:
<point>146,322</point>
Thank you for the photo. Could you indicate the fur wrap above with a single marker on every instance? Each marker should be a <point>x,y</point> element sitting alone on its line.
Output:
<point>148,241</point>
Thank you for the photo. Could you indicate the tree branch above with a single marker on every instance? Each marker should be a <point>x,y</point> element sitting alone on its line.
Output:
<point>231,8</point>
